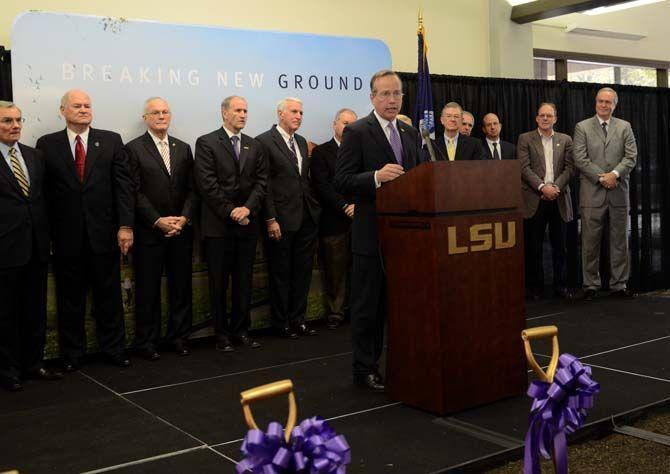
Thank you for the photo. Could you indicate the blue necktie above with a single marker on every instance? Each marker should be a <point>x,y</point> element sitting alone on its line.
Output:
<point>236,142</point>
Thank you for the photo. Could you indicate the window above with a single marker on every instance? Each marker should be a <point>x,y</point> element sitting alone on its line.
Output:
<point>545,68</point>
<point>583,71</point>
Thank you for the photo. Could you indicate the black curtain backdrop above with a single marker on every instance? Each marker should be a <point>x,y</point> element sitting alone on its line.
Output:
<point>515,101</point>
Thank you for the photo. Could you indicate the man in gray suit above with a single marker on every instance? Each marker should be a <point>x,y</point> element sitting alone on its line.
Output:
<point>605,153</point>
<point>546,170</point>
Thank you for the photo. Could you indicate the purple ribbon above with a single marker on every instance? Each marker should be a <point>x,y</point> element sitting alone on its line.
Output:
<point>558,409</point>
<point>314,448</point>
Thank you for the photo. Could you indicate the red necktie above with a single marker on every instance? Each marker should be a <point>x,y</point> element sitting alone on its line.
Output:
<point>79,158</point>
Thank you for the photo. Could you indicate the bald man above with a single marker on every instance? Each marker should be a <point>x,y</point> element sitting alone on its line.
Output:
<point>91,211</point>
<point>495,147</point>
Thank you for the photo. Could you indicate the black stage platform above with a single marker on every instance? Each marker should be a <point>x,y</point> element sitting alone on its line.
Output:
<point>183,414</point>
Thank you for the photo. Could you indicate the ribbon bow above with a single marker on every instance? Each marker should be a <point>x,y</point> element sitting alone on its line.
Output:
<point>314,448</point>
<point>558,409</point>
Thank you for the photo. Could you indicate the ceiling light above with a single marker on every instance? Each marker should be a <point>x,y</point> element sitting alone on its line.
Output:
<point>620,6</point>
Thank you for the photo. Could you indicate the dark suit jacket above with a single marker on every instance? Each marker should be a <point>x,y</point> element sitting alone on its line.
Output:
<point>364,150</point>
<point>157,192</point>
<point>289,191</point>
<point>22,218</point>
<point>333,218</point>
<point>224,183</point>
<point>533,170</point>
<point>467,148</point>
<point>507,150</point>
<point>100,205</point>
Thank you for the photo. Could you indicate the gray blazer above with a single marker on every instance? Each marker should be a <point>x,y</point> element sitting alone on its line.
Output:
<point>594,154</point>
<point>530,152</point>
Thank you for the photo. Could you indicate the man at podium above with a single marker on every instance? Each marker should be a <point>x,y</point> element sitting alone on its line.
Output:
<point>375,150</point>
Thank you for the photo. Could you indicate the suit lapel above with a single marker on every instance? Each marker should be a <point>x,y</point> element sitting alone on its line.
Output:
<point>92,153</point>
<point>380,137</point>
<point>611,129</point>
<point>304,152</point>
<point>67,156</point>
<point>536,140</point>
<point>408,158</point>
<point>150,146</point>
<point>228,147</point>
<point>244,151</point>
<point>283,148</point>
<point>9,174</point>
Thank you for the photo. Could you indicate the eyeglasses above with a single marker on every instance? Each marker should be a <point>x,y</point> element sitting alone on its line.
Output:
<point>9,120</point>
<point>387,94</point>
<point>452,116</point>
<point>156,113</point>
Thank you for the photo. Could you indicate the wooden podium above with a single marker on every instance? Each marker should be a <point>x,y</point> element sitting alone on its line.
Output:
<point>452,238</point>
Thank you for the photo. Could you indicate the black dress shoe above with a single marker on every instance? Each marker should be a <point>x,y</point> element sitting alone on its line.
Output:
<point>149,354</point>
<point>589,295</point>
<point>623,294</point>
<point>44,374</point>
<point>304,330</point>
<point>71,364</point>
<point>11,384</point>
<point>181,349</point>
<point>224,345</point>
<point>119,360</point>
<point>245,340</point>
<point>287,333</point>
<point>335,321</point>
<point>370,382</point>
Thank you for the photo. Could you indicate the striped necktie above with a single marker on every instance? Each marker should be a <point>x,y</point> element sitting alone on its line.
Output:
<point>18,171</point>
<point>165,154</point>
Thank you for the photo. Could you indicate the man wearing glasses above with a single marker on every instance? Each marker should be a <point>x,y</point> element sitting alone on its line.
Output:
<point>375,150</point>
<point>452,145</point>
<point>546,170</point>
<point>162,170</point>
<point>24,251</point>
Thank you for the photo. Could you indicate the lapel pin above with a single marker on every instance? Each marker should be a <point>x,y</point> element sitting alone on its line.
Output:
<point>558,145</point>
<point>97,143</point>
<point>174,144</point>
<point>245,147</point>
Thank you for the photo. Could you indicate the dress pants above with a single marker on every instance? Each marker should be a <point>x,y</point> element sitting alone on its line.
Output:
<point>547,214</point>
<point>335,259</point>
<point>593,219</point>
<point>23,297</point>
<point>290,263</point>
<point>174,254</point>
<point>74,277</point>
<point>232,258</point>
<point>368,311</point>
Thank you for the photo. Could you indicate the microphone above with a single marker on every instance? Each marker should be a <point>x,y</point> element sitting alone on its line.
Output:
<point>429,144</point>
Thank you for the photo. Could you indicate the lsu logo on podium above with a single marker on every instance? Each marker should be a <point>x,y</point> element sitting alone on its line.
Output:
<point>483,237</point>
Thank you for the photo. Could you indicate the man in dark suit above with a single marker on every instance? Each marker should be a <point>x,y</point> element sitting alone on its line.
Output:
<point>335,223</point>
<point>453,145</point>
<point>375,150</point>
<point>467,124</point>
<point>292,219</point>
<point>24,251</point>
<point>231,177</point>
<point>91,212</point>
<point>162,171</point>
<point>605,154</point>
<point>546,170</point>
<point>495,148</point>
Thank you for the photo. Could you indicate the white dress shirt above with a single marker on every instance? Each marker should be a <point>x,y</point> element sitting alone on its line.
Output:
<point>286,138</point>
<point>72,138</point>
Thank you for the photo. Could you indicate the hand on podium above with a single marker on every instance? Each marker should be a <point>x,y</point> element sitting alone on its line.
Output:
<point>389,172</point>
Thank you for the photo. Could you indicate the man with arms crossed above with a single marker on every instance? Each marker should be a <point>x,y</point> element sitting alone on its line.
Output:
<point>605,153</point>
<point>375,150</point>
